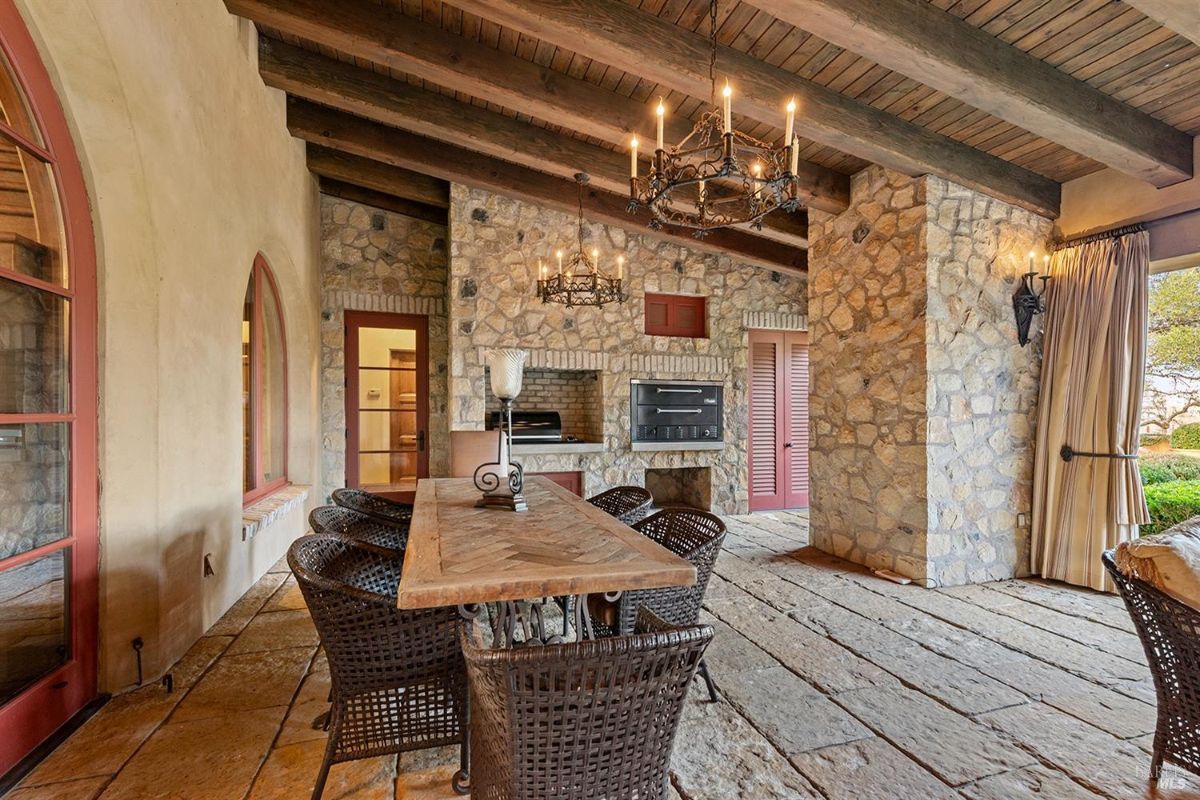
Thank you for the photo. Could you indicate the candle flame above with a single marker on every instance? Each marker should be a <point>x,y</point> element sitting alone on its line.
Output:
<point>757,170</point>
<point>661,108</point>
<point>727,91</point>
<point>633,143</point>
<point>791,106</point>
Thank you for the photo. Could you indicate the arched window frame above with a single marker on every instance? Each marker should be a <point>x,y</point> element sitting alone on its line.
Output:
<point>264,286</point>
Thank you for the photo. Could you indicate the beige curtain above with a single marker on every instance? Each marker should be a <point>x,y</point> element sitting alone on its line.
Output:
<point>1093,368</point>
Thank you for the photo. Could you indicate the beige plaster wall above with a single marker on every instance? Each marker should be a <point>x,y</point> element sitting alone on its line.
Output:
<point>1108,198</point>
<point>191,172</point>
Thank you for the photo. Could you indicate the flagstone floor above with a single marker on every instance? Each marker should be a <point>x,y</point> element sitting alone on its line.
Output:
<point>836,685</point>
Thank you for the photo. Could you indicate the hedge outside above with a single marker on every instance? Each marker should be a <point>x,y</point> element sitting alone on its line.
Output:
<point>1186,437</point>
<point>1165,468</point>
<point>1171,503</point>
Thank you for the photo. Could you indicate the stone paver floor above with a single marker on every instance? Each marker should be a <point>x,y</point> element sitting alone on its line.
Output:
<point>836,684</point>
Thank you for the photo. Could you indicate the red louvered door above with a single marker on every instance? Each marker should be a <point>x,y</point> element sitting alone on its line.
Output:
<point>778,420</point>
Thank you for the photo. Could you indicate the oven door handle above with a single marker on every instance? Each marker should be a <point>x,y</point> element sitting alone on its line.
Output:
<point>661,390</point>
<point>678,411</point>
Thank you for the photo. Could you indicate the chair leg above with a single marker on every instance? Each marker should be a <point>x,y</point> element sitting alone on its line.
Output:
<point>1156,766</point>
<point>319,786</point>
<point>461,780</point>
<point>708,681</point>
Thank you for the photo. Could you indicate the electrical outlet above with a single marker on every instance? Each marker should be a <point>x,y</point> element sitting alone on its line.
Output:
<point>1022,520</point>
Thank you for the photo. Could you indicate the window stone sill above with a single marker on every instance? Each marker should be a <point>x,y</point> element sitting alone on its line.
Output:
<point>262,513</point>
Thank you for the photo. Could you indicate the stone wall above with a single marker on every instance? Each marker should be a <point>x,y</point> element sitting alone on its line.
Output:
<point>922,405</point>
<point>495,244</point>
<point>375,260</point>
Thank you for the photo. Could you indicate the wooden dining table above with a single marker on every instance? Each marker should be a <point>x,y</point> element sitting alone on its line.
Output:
<point>497,561</point>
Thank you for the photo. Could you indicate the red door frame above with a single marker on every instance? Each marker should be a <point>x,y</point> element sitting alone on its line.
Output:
<point>783,497</point>
<point>383,319</point>
<point>32,716</point>
<point>263,278</point>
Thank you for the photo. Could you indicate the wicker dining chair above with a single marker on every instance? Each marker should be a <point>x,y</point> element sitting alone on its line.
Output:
<point>372,505</point>
<point>360,527</point>
<point>626,503</point>
<point>399,682</point>
<point>1170,634</point>
<point>580,721</point>
<point>691,534</point>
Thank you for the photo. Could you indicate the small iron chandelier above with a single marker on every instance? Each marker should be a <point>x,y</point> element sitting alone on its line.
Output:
<point>1028,303</point>
<point>716,176</point>
<point>580,282</point>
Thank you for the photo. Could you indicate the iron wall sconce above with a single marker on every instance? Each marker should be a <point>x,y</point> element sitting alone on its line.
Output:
<point>1027,302</point>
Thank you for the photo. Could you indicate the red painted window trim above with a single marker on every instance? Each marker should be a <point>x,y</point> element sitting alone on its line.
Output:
<point>674,326</point>
<point>39,710</point>
<point>264,279</point>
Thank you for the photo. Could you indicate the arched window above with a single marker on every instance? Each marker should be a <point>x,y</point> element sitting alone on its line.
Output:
<point>48,485</point>
<point>264,386</point>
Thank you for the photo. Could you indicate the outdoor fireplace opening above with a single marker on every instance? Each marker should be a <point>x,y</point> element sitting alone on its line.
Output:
<point>681,486</point>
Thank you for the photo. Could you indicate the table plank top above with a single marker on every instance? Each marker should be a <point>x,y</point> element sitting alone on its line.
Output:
<point>563,545</point>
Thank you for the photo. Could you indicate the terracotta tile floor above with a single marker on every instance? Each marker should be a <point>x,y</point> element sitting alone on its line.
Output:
<point>836,685</point>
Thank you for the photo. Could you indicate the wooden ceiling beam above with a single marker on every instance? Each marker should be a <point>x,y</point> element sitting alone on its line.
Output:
<point>623,36</point>
<point>396,181</point>
<point>918,39</point>
<point>1180,16</point>
<point>302,73</point>
<point>388,202</point>
<point>385,37</point>
<point>360,137</point>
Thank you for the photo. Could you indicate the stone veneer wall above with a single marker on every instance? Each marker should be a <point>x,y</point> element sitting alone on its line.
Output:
<point>922,405</point>
<point>375,260</point>
<point>495,243</point>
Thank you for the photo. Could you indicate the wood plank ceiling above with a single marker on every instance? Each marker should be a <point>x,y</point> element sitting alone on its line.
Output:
<point>1108,45</point>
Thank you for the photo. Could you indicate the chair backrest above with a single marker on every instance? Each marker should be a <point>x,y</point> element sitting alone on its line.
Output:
<point>622,501</point>
<point>372,505</point>
<point>1169,630</point>
<point>689,533</point>
<point>592,719</point>
<point>469,449</point>
<point>360,527</point>
<point>350,590</point>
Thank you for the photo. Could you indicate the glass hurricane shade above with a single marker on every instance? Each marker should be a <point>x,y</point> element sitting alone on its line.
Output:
<point>507,368</point>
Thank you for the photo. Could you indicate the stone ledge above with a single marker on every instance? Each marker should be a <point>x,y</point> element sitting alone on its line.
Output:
<point>262,513</point>
<point>774,321</point>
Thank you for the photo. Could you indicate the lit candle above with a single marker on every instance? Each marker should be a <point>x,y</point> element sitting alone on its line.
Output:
<point>757,177</point>
<point>595,255</point>
<point>791,120</point>
<point>620,267</point>
<point>703,193</point>
<point>1046,264</point>
<point>728,95</point>
<point>660,112</point>
<point>633,158</point>
<point>559,254</point>
<point>795,155</point>
<point>1031,255</point>
<point>541,269</point>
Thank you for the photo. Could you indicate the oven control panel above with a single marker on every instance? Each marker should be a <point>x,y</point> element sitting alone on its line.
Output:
<point>676,411</point>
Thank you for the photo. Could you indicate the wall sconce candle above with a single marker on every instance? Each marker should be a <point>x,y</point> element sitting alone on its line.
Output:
<point>1028,302</point>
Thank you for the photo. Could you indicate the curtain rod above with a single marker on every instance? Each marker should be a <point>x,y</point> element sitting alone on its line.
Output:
<point>1122,230</point>
<point>1111,233</point>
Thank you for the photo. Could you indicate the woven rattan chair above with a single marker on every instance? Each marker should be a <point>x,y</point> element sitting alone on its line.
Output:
<point>359,527</point>
<point>626,503</point>
<point>1170,634</point>
<point>398,677</point>
<point>587,720</point>
<point>374,506</point>
<point>688,533</point>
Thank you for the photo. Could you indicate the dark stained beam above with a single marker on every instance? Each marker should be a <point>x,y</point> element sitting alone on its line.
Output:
<point>385,37</point>
<point>396,181</point>
<point>918,39</point>
<point>1181,16</point>
<point>623,36</point>
<point>364,93</point>
<point>334,129</point>
<point>387,202</point>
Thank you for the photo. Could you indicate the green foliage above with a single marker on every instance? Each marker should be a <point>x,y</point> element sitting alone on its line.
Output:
<point>1165,468</point>
<point>1186,437</point>
<point>1151,439</point>
<point>1173,348</point>
<point>1175,297</point>
<point>1171,503</point>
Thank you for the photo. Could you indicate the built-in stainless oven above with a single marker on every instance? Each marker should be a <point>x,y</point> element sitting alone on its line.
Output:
<point>676,411</point>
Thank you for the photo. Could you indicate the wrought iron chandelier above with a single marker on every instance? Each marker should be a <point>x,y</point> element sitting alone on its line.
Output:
<point>716,176</point>
<point>580,281</point>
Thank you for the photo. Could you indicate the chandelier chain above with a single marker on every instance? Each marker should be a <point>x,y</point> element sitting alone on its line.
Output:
<point>712,52</point>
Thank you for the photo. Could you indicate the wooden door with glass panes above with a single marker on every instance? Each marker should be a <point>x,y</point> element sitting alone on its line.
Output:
<point>387,402</point>
<point>48,481</point>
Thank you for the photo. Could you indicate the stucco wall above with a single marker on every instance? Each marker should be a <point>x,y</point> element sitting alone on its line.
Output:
<point>191,172</point>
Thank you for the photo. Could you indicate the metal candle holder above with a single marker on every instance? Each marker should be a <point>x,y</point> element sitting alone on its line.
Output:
<point>487,475</point>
